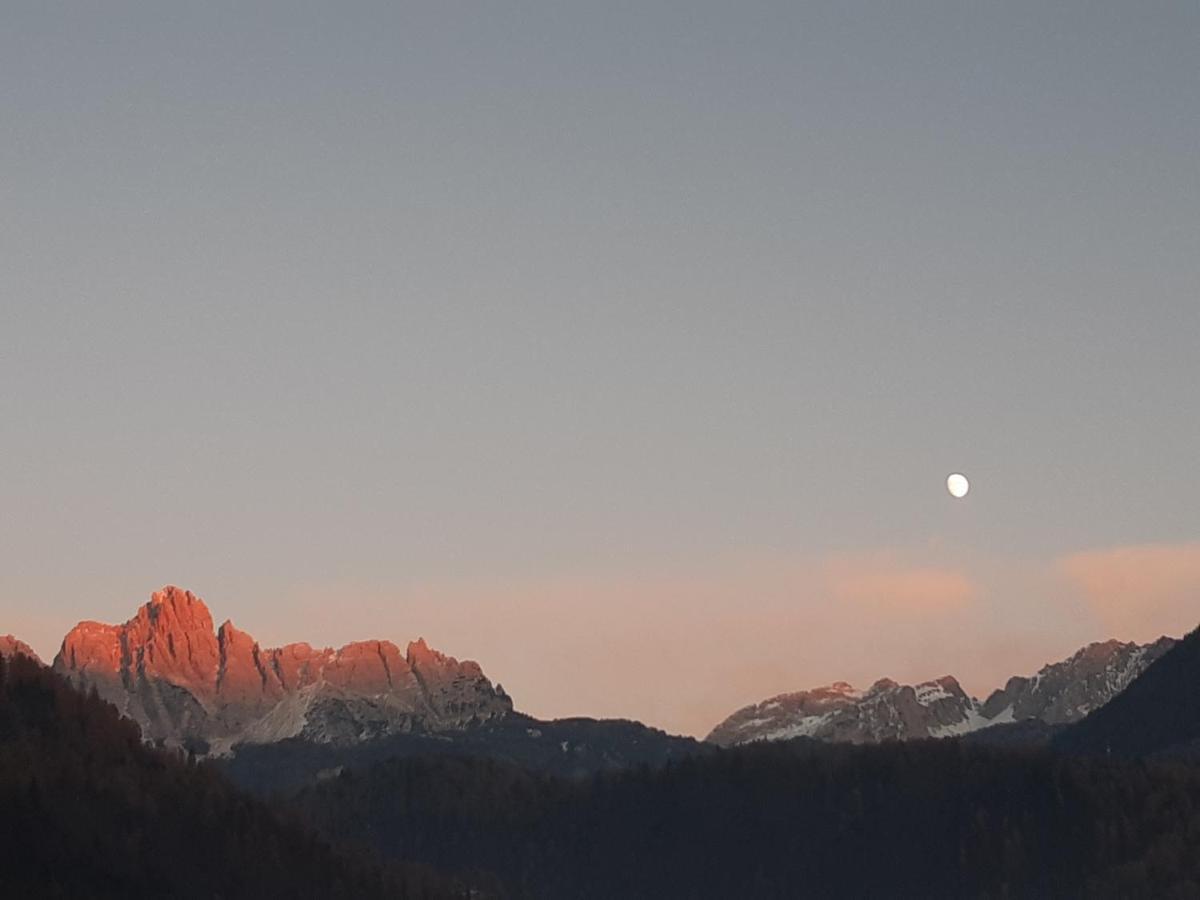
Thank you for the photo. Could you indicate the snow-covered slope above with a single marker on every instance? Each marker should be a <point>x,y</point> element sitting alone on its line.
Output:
<point>838,712</point>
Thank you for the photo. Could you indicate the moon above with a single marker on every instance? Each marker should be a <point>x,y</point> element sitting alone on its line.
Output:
<point>957,485</point>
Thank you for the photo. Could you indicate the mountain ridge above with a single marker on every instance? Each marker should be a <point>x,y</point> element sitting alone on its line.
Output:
<point>188,684</point>
<point>1158,716</point>
<point>10,645</point>
<point>207,689</point>
<point>1059,693</point>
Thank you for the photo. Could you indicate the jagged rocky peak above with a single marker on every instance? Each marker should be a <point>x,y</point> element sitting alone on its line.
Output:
<point>170,637</point>
<point>371,668</point>
<point>243,675</point>
<point>186,684</point>
<point>1066,691</point>
<point>1060,692</point>
<point>887,710</point>
<point>454,688</point>
<point>12,646</point>
<point>91,647</point>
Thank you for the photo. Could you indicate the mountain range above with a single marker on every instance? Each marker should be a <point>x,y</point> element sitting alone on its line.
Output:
<point>1059,693</point>
<point>218,692</point>
<point>190,686</point>
<point>473,805</point>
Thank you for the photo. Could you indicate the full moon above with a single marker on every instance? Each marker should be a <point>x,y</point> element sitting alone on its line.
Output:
<point>958,485</point>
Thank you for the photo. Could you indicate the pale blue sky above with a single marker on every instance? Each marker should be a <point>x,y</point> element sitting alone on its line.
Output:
<point>341,299</point>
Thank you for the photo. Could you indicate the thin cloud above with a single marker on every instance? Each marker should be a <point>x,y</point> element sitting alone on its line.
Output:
<point>1139,591</point>
<point>883,584</point>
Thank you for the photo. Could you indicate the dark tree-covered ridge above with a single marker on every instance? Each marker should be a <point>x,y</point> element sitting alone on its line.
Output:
<point>1159,713</point>
<point>934,819</point>
<point>86,810</point>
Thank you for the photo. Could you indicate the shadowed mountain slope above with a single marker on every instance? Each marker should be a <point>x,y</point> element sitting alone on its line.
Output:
<point>1159,713</point>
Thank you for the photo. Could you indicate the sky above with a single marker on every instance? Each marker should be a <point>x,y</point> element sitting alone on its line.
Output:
<point>622,347</point>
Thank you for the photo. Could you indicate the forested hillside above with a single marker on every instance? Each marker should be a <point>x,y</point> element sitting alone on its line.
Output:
<point>565,747</point>
<point>1159,714</point>
<point>927,819</point>
<point>86,810</point>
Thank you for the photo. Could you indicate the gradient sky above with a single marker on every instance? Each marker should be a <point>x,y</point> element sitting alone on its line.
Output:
<point>623,347</point>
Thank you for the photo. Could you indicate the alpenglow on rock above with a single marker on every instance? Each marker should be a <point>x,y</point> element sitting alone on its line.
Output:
<point>186,685</point>
<point>1059,693</point>
<point>11,646</point>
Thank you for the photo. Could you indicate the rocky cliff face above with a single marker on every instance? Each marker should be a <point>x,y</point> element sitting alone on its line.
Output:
<point>1066,691</point>
<point>11,646</point>
<point>838,712</point>
<point>1059,693</point>
<point>185,684</point>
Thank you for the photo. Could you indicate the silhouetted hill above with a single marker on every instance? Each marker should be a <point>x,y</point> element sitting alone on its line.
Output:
<point>1158,713</point>
<point>1026,733</point>
<point>927,819</point>
<point>574,747</point>
<point>86,810</point>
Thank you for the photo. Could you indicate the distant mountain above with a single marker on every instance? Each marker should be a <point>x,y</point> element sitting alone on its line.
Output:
<point>1059,693</point>
<point>838,712</point>
<point>10,646</point>
<point>186,685</point>
<point>1066,691</point>
<point>1158,714</point>
<point>87,810</point>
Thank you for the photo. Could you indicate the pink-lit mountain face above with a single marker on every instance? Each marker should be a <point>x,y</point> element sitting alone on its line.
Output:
<point>11,646</point>
<point>187,684</point>
<point>1060,693</point>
